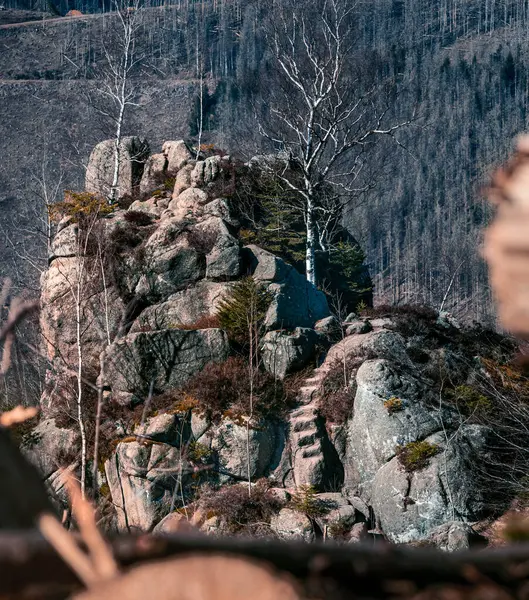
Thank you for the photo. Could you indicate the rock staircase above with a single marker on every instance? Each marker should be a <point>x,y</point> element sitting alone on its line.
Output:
<point>306,435</point>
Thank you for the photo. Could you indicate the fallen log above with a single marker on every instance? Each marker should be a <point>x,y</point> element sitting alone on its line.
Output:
<point>30,568</point>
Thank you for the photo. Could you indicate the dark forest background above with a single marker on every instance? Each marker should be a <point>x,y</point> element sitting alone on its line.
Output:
<point>460,67</point>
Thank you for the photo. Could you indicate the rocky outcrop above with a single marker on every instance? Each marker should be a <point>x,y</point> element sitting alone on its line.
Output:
<point>296,303</point>
<point>284,352</point>
<point>163,359</point>
<point>373,433</point>
<point>152,322</point>
<point>290,524</point>
<point>146,476</point>
<point>133,153</point>
<point>186,307</point>
<point>410,506</point>
<point>242,452</point>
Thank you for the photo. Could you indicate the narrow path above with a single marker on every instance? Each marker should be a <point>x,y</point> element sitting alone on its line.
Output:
<point>308,459</point>
<point>306,435</point>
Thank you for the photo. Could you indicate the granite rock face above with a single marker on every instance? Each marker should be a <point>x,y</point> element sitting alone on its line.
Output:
<point>296,303</point>
<point>163,359</point>
<point>133,153</point>
<point>284,352</point>
<point>139,305</point>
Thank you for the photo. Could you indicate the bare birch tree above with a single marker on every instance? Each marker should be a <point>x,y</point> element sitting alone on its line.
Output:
<point>123,57</point>
<point>320,112</point>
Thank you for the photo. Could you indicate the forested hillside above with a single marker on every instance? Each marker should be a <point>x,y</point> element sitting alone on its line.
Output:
<point>456,69</point>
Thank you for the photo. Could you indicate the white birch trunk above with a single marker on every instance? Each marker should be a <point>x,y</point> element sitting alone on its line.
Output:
<point>310,253</point>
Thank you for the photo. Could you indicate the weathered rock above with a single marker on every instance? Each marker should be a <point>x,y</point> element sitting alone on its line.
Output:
<point>361,507</point>
<point>386,344</point>
<point>284,352</point>
<point>223,259</point>
<point>133,151</point>
<point>224,264</point>
<point>221,208</point>
<point>297,303</point>
<point>230,442</point>
<point>177,154</point>
<point>142,478</point>
<point>206,171</point>
<point>182,181</point>
<point>292,525</point>
<point>49,447</point>
<point>55,282</point>
<point>374,432</point>
<point>269,163</point>
<point>172,523</point>
<point>155,166</point>
<point>359,327</point>
<point>358,533</point>
<point>151,206</point>
<point>455,536</point>
<point>65,243</point>
<point>337,514</point>
<point>409,506</point>
<point>199,425</point>
<point>102,312</point>
<point>167,358</point>
<point>171,263</point>
<point>330,328</point>
<point>186,307</point>
<point>165,428</point>
<point>189,204</point>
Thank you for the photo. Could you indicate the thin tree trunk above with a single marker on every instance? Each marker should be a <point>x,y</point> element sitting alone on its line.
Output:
<point>250,415</point>
<point>80,417</point>
<point>310,256</point>
<point>117,157</point>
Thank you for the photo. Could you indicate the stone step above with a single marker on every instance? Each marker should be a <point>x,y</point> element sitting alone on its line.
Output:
<point>312,451</point>
<point>303,412</point>
<point>298,425</point>
<point>307,438</point>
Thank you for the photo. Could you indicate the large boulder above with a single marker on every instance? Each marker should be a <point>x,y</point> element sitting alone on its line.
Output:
<point>133,152</point>
<point>409,506</point>
<point>337,515</point>
<point>223,259</point>
<point>177,154</point>
<point>187,307</point>
<point>189,204</point>
<point>296,303</point>
<point>284,352</point>
<point>146,478</point>
<point>166,359</point>
<point>290,524</point>
<point>455,536</point>
<point>238,448</point>
<point>155,166</point>
<point>221,208</point>
<point>377,427</point>
<point>170,261</point>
